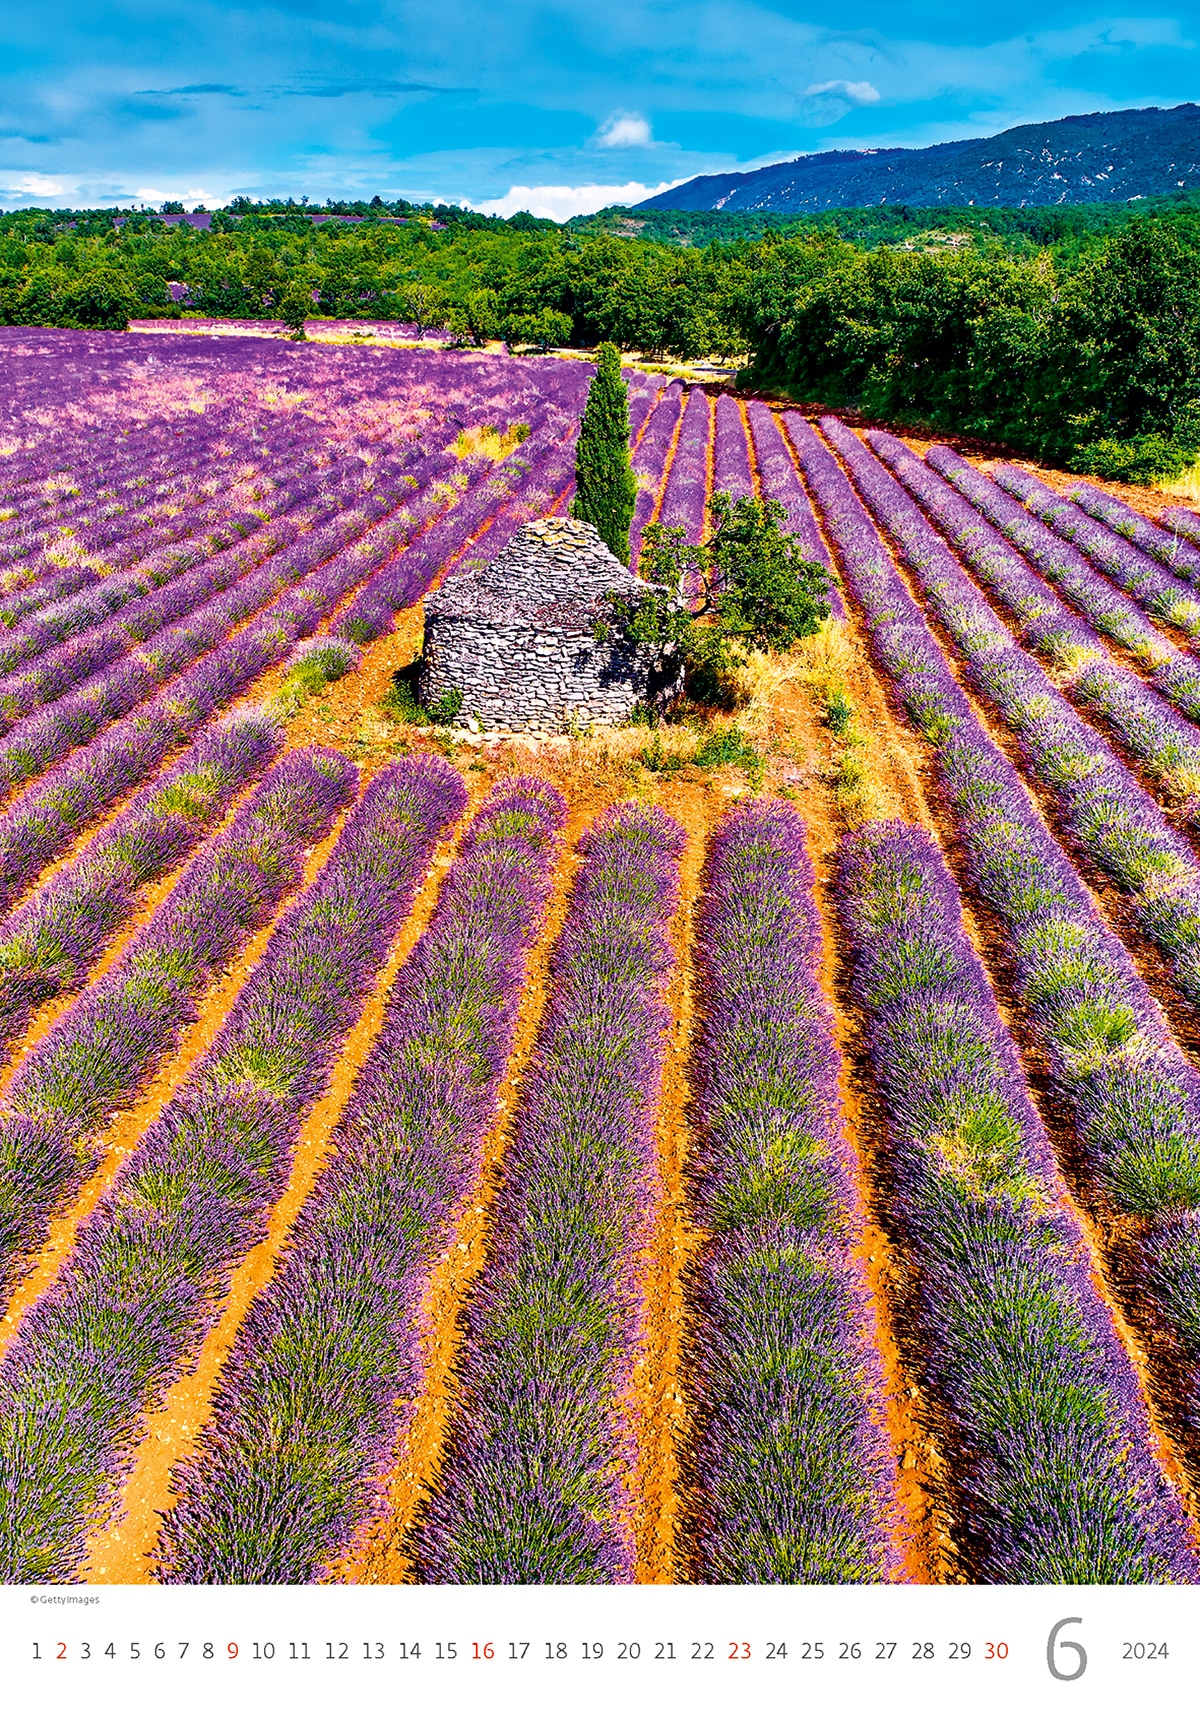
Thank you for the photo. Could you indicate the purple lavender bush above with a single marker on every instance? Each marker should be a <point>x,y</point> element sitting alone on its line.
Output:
<point>793,1473</point>
<point>150,1266</point>
<point>49,944</point>
<point>731,453</point>
<point>532,1491</point>
<point>327,1366</point>
<point>99,1054</point>
<point>1169,546</point>
<point>1056,1478</point>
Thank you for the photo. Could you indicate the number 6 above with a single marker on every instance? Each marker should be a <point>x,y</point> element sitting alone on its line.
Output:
<point>1052,1643</point>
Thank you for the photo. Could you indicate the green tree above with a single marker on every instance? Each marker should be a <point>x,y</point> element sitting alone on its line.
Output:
<point>605,486</point>
<point>295,307</point>
<point>423,304</point>
<point>757,590</point>
<point>764,590</point>
<point>548,327</point>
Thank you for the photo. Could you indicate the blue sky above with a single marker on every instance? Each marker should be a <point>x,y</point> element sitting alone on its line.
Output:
<point>559,106</point>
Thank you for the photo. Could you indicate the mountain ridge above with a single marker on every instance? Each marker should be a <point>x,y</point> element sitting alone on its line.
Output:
<point>1085,157</point>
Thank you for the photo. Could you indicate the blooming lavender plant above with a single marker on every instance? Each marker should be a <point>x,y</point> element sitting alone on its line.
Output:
<point>1109,815</point>
<point>1052,1456</point>
<point>731,453</point>
<point>779,481</point>
<point>278,1503</point>
<point>1166,745</point>
<point>1182,521</point>
<point>531,1490</point>
<point>49,944</point>
<point>685,498</point>
<point>1163,595</point>
<point>792,1470</point>
<point>150,1267</point>
<point>100,1052</point>
<point>1169,546</point>
<point>649,460</point>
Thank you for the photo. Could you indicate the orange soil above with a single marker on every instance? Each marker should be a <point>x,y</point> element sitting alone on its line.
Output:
<point>710,448</point>
<point>657,1402</point>
<point>124,1134</point>
<point>383,1550</point>
<point>755,475</point>
<point>122,1552</point>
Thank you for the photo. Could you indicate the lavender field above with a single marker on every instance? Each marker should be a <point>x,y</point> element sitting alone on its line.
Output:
<point>763,1147</point>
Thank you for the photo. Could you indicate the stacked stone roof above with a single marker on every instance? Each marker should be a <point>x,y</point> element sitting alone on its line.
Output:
<point>552,576</point>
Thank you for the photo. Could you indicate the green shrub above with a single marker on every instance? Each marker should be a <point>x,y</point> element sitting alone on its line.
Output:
<point>839,712</point>
<point>402,701</point>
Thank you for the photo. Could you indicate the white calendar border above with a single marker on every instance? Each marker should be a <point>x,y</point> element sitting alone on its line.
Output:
<point>1037,1669</point>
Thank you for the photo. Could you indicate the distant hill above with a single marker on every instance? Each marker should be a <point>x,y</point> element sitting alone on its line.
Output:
<point>1093,157</point>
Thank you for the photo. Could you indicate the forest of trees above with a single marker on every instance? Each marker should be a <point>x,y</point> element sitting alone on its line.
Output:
<point>1072,334</point>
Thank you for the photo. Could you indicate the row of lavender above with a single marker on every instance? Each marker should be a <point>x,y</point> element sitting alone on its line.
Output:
<point>1131,1095</point>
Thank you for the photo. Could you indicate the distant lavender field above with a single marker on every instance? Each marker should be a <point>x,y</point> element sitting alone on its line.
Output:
<point>761,1146</point>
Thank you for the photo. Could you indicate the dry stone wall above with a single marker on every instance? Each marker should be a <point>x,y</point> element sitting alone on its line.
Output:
<point>518,638</point>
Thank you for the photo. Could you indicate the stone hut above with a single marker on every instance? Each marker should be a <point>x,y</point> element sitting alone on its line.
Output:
<point>519,637</point>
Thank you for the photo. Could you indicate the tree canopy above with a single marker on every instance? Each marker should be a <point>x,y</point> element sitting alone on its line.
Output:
<point>1071,334</point>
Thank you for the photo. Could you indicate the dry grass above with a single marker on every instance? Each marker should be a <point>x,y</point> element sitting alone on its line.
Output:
<point>824,666</point>
<point>1185,487</point>
<point>490,441</point>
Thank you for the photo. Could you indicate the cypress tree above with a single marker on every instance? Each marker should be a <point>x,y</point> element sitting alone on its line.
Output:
<point>605,487</point>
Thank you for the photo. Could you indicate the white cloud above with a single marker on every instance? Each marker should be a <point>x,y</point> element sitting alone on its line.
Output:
<point>33,184</point>
<point>192,196</point>
<point>624,131</point>
<point>839,86</point>
<point>561,201</point>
